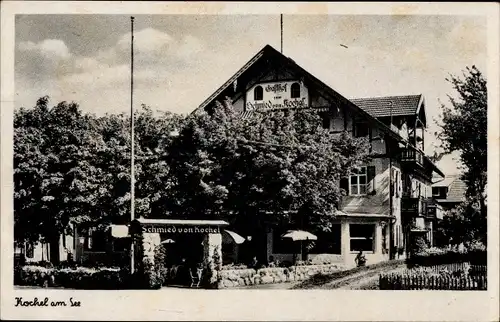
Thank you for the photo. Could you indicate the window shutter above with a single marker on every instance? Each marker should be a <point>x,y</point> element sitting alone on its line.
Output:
<point>344,184</point>
<point>371,179</point>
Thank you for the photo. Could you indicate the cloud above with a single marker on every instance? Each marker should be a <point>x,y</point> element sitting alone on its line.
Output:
<point>51,49</point>
<point>146,40</point>
<point>152,46</point>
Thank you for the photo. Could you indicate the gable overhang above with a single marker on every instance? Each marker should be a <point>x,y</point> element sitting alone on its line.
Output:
<point>420,112</point>
<point>326,91</point>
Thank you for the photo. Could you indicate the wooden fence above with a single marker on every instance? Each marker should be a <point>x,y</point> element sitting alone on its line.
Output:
<point>423,282</point>
<point>456,267</point>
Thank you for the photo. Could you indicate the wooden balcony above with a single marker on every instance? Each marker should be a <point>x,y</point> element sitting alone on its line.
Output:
<point>434,210</point>
<point>413,206</point>
<point>411,155</point>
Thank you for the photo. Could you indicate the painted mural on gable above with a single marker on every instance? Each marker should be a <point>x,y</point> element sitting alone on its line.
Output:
<point>277,95</point>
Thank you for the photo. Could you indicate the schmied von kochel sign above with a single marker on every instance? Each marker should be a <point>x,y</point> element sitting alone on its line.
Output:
<point>277,95</point>
<point>181,229</point>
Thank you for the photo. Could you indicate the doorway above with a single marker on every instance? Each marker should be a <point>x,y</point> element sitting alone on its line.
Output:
<point>184,256</point>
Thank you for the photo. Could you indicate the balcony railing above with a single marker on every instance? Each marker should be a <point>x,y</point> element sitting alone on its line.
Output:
<point>414,206</point>
<point>412,155</point>
<point>434,210</point>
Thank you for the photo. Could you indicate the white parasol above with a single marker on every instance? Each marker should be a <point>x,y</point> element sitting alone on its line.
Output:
<point>168,241</point>
<point>299,235</point>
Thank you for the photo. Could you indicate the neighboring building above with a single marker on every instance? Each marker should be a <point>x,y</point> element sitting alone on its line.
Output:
<point>83,245</point>
<point>449,192</point>
<point>381,211</point>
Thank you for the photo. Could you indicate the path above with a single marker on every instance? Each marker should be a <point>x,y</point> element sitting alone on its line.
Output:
<point>364,278</point>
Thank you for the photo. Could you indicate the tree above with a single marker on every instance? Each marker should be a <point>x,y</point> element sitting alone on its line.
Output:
<point>464,129</point>
<point>71,167</point>
<point>54,176</point>
<point>281,162</point>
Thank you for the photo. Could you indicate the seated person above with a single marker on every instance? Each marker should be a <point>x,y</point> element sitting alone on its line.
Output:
<point>254,263</point>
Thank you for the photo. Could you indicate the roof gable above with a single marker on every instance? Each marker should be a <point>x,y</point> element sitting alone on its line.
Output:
<point>268,54</point>
<point>457,188</point>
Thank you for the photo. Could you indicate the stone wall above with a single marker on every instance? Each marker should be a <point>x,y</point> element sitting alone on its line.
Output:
<point>246,277</point>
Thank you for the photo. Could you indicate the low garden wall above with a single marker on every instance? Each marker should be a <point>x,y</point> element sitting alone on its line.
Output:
<point>239,277</point>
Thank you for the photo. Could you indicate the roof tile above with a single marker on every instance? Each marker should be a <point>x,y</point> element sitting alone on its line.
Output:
<point>381,106</point>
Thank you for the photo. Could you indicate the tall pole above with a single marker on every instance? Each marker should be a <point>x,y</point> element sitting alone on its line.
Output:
<point>391,254</point>
<point>281,28</point>
<point>132,163</point>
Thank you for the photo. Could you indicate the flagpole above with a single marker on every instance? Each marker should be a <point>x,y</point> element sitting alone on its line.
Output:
<point>132,156</point>
<point>281,27</point>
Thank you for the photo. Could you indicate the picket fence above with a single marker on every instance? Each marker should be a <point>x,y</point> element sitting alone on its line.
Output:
<point>456,267</point>
<point>419,282</point>
<point>422,278</point>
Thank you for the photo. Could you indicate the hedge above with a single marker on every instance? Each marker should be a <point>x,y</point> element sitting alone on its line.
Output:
<point>77,278</point>
<point>475,257</point>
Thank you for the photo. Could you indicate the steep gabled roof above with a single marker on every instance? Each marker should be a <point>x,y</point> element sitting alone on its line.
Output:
<point>269,52</point>
<point>456,188</point>
<point>381,106</point>
<point>446,181</point>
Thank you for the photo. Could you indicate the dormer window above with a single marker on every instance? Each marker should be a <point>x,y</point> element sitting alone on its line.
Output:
<point>295,90</point>
<point>258,93</point>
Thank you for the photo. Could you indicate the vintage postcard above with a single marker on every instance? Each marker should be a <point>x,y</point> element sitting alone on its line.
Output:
<point>249,161</point>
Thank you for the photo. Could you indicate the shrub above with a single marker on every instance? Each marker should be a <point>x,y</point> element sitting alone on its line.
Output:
<point>322,259</point>
<point>79,278</point>
<point>233,267</point>
<point>476,255</point>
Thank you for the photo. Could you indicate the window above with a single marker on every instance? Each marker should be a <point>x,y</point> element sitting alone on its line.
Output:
<point>361,129</point>
<point>258,93</point>
<point>358,182</point>
<point>361,237</point>
<point>325,120</point>
<point>328,242</point>
<point>95,241</point>
<point>295,90</point>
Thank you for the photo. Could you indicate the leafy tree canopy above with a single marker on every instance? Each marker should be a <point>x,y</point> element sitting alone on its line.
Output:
<point>282,162</point>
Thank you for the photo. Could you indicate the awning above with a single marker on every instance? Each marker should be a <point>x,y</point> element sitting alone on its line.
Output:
<point>229,236</point>
<point>119,231</point>
<point>183,222</point>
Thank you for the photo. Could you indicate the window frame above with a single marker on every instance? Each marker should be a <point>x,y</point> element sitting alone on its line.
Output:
<point>372,238</point>
<point>90,241</point>
<point>358,184</point>
<point>255,98</point>
<point>366,126</point>
<point>294,89</point>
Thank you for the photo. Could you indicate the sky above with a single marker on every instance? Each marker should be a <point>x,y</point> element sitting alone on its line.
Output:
<point>180,60</point>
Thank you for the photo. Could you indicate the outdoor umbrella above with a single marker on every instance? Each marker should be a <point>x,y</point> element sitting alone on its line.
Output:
<point>231,235</point>
<point>299,235</point>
